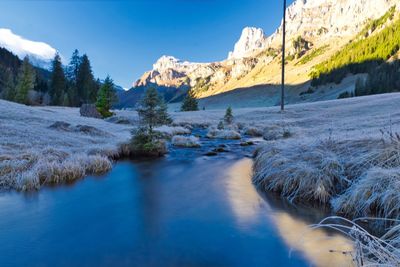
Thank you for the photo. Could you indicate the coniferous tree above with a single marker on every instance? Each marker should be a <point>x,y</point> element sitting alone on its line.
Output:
<point>65,100</point>
<point>228,118</point>
<point>107,96</point>
<point>190,102</point>
<point>41,85</point>
<point>8,85</point>
<point>73,66</point>
<point>364,53</point>
<point>72,76</point>
<point>95,91</point>
<point>58,83</point>
<point>25,82</point>
<point>72,95</point>
<point>164,117</point>
<point>85,83</point>
<point>152,112</point>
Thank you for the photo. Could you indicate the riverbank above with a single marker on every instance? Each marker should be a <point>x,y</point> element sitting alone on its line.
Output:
<point>344,154</point>
<point>53,145</point>
<point>340,140</point>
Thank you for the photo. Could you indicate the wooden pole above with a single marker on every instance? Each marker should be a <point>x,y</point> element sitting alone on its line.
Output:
<point>283,56</point>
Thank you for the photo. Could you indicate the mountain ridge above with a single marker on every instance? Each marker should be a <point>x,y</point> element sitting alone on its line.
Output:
<point>311,25</point>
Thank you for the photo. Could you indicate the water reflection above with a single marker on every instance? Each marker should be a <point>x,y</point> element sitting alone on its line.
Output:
<point>171,212</point>
<point>244,200</point>
<point>316,245</point>
<point>249,207</point>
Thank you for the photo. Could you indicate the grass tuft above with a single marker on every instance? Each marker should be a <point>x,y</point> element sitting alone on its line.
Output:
<point>369,250</point>
<point>317,175</point>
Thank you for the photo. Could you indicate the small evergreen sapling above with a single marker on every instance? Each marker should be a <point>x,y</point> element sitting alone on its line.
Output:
<point>190,102</point>
<point>228,118</point>
<point>152,112</point>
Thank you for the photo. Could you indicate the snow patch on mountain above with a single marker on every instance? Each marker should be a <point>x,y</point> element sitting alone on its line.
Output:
<point>40,54</point>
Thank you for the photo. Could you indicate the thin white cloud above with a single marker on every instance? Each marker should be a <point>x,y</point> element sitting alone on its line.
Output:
<point>23,47</point>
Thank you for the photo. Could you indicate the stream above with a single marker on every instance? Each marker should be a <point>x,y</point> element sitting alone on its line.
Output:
<point>182,210</point>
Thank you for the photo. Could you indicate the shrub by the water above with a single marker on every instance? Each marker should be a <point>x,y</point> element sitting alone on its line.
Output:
<point>144,144</point>
<point>152,113</point>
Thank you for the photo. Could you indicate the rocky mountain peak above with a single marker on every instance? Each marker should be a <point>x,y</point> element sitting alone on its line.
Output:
<point>318,22</point>
<point>251,40</point>
<point>166,62</point>
<point>325,19</point>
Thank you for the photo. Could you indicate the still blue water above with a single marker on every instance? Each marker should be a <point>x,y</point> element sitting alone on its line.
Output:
<point>168,212</point>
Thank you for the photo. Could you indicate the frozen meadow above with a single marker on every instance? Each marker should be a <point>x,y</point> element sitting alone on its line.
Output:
<point>43,145</point>
<point>341,153</point>
<point>322,147</point>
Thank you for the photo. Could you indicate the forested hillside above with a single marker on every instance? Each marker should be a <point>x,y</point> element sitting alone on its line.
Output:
<point>10,65</point>
<point>377,43</point>
<point>70,85</point>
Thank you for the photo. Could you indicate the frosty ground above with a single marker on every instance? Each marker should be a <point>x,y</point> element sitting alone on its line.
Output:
<point>341,153</point>
<point>310,153</point>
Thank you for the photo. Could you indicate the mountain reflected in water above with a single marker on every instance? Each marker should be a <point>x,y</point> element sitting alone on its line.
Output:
<point>293,227</point>
<point>168,212</point>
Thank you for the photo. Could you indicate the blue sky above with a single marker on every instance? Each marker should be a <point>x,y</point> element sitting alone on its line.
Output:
<point>124,38</point>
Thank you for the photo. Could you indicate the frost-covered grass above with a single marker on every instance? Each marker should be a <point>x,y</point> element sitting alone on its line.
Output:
<point>344,153</point>
<point>376,184</point>
<point>334,140</point>
<point>356,177</point>
<point>300,172</point>
<point>170,131</point>
<point>33,154</point>
<point>369,250</point>
<point>253,131</point>
<point>223,134</point>
<point>185,141</point>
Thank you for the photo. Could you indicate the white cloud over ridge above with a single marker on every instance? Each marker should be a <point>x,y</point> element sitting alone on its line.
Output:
<point>38,52</point>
